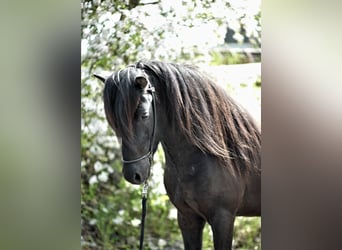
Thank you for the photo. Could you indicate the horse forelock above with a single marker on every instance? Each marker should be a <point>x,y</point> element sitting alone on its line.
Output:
<point>121,99</point>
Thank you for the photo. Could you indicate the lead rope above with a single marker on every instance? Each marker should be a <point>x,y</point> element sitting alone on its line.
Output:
<point>145,187</point>
<point>150,156</point>
<point>143,214</point>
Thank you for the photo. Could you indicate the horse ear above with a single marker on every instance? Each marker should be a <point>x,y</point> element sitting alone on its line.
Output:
<point>100,77</point>
<point>141,82</point>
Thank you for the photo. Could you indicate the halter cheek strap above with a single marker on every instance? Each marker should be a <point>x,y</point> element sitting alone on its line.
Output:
<point>149,154</point>
<point>151,90</point>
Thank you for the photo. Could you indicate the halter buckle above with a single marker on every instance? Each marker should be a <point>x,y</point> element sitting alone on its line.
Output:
<point>145,189</point>
<point>151,89</point>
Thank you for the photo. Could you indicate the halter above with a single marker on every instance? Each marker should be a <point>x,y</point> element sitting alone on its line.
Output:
<point>149,154</point>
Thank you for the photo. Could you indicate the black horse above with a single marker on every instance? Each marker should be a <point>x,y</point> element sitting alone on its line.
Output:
<point>212,146</point>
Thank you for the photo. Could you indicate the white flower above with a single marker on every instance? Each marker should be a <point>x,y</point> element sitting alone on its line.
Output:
<point>118,220</point>
<point>98,166</point>
<point>103,177</point>
<point>135,222</point>
<point>96,150</point>
<point>161,243</point>
<point>93,180</point>
<point>109,169</point>
<point>173,213</point>
<point>92,222</point>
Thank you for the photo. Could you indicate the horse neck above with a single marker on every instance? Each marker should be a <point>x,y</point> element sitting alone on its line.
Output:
<point>175,145</point>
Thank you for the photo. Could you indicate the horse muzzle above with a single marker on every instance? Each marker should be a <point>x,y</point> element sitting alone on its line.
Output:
<point>136,173</point>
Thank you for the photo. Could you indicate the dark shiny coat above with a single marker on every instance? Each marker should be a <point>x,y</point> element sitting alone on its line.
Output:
<point>212,146</point>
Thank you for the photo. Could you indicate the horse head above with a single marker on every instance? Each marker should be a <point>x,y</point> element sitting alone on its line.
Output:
<point>129,104</point>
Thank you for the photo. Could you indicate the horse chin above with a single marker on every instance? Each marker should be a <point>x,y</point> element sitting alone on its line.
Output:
<point>136,173</point>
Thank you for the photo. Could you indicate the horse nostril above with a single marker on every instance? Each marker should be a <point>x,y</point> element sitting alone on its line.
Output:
<point>137,177</point>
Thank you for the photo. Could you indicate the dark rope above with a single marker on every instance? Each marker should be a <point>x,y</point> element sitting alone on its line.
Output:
<point>143,215</point>
<point>150,156</point>
<point>143,203</point>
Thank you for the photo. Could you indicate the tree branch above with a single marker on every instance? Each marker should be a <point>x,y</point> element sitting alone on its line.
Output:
<point>134,3</point>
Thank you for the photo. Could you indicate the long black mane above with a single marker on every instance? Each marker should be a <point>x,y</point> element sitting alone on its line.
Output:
<point>196,107</point>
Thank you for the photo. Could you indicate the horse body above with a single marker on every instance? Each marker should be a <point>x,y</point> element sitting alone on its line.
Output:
<point>212,146</point>
<point>202,191</point>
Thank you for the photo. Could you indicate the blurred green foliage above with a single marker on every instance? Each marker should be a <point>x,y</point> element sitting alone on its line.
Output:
<point>115,34</point>
<point>228,58</point>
